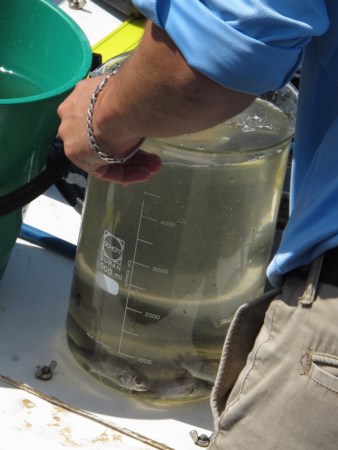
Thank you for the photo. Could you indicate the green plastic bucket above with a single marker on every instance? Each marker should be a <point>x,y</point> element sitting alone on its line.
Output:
<point>43,55</point>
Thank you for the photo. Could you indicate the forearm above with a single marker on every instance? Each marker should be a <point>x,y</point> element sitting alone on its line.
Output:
<point>157,94</point>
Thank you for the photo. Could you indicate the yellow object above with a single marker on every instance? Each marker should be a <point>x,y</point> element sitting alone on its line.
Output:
<point>125,38</point>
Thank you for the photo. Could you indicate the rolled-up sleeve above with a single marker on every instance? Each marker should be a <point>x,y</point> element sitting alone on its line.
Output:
<point>247,45</point>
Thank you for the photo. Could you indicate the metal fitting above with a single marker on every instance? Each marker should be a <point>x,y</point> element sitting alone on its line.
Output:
<point>77,4</point>
<point>45,372</point>
<point>202,440</point>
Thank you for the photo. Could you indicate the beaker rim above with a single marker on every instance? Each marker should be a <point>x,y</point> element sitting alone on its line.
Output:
<point>284,99</point>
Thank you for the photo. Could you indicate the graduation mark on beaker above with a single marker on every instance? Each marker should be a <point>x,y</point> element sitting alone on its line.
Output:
<point>137,263</point>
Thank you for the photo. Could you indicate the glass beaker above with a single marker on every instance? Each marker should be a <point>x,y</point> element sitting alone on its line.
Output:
<point>162,266</point>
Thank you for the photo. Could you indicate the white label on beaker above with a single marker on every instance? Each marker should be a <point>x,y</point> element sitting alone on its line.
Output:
<point>112,247</point>
<point>106,283</point>
<point>109,262</point>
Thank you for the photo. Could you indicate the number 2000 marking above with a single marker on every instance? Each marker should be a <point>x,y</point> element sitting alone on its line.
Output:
<point>144,361</point>
<point>152,316</point>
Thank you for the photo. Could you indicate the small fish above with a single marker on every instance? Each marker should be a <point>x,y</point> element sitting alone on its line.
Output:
<point>180,389</point>
<point>201,368</point>
<point>120,372</point>
<point>222,321</point>
<point>110,369</point>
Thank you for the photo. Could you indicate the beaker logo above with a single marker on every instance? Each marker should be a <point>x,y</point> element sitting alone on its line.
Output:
<point>112,247</point>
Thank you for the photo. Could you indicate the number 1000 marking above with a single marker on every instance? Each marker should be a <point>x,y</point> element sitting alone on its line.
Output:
<point>168,223</point>
<point>161,270</point>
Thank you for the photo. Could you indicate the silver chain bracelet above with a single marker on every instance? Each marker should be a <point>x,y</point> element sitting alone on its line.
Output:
<point>91,137</point>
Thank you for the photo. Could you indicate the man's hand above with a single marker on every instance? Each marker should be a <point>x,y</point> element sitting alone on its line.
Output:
<point>137,169</point>
<point>154,94</point>
<point>73,132</point>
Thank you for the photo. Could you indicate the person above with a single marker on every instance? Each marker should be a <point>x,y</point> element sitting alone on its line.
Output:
<point>199,63</point>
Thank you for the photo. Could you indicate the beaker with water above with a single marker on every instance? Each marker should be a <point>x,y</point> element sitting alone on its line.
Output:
<point>162,266</point>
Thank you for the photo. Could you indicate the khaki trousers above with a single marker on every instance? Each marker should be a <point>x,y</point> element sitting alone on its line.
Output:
<point>277,385</point>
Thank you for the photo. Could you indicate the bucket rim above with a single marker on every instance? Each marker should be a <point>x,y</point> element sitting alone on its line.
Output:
<point>82,70</point>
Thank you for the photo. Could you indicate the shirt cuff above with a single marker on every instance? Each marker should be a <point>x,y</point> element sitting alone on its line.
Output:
<point>240,60</point>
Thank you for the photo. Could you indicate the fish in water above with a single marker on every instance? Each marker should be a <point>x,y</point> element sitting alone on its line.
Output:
<point>110,369</point>
<point>201,368</point>
<point>179,389</point>
<point>121,373</point>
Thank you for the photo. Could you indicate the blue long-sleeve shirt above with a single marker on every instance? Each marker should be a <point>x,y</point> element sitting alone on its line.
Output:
<point>255,46</point>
